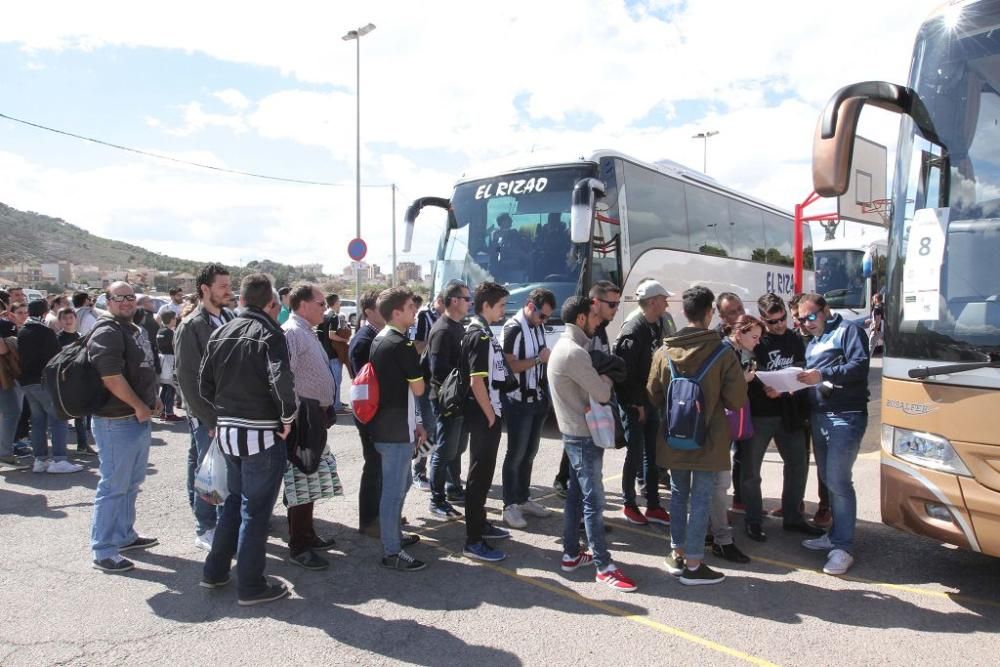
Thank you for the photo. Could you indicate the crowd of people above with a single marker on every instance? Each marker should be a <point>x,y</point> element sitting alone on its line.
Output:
<point>262,382</point>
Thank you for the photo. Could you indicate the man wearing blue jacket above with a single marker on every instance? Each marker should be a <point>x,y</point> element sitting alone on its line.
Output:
<point>837,359</point>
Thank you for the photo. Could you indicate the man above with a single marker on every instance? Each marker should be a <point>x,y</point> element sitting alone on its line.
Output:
<point>334,335</point>
<point>174,305</point>
<point>86,314</point>
<point>285,294</point>
<point>444,353</point>
<point>778,417</point>
<point>37,344</point>
<point>310,371</point>
<point>56,303</point>
<point>122,355</point>
<point>488,374</point>
<point>190,341</point>
<point>574,383</point>
<point>145,317</point>
<point>525,408</point>
<point>11,394</point>
<point>730,308</point>
<point>838,359</point>
<point>426,317</point>
<point>359,354</point>
<point>696,351</point>
<point>67,336</point>
<point>639,338</point>
<point>394,428</point>
<point>246,380</point>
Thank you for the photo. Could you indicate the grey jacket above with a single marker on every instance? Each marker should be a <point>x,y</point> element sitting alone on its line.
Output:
<point>573,382</point>
<point>190,341</point>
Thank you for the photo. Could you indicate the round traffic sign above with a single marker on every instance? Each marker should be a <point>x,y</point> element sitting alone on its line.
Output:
<point>357,249</point>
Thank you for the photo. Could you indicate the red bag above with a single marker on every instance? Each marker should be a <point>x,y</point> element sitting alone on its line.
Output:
<point>364,394</point>
<point>740,424</point>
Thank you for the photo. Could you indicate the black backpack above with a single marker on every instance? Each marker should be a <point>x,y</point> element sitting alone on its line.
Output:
<point>72,381</point>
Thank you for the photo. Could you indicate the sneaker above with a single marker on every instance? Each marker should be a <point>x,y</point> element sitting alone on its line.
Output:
<point>408,539</point>
<point>823,518</point>
<point>204,541</point>
<point>308,560</point>
<point>114,565</point>
<point>140,543</point>
<point>206,583</point>
<point>63,467</point>
<point>494,532</point>
<point>730,552</point>
<point>614,578</point>
<point>421,482</point>
<point>756,532</point>
<point>779,513</point>
<point>571,564</point>
<point>738,508</point>
<point>512,517</point>
<point>559,487</point>
<point>445,512</point>
<point>674,563</point>
<point>633,515</point>
<point>658,515</point>
<point>403,562</point>
<point>821,543</point>
<point>456,496</point>
<point>531,508</point>
<point>270,594</point>
<point>703,576</point>
<point>86,451</point>
<point>22,448</point>
<point>40,465</point>
<point>172,418</point>
<point>804,528</point>
<point>483,551</point>
<point>838,562</point>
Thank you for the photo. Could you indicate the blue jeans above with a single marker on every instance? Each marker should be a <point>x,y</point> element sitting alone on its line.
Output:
<point>124,453</point>
<point>45,421</point>
<point>585,494</point>
<point>395,483</point>
<point>640,456</point>
<point>837,439</point>
<point>524,431</point>
<point>167,395</point>
<point>337,369</point>
<point>10,414</point>
<point>254,482</point>
<point>447,456</point>
<point>205,515</point>
<point>690,502</point>
<point>430,425</point>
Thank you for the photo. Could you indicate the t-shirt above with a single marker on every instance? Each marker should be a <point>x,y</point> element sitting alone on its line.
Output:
<point>66,338</point>
<point>486,361</point>
<point>425,320</point>
<point>130,355</point>
<point>396,366</point>
<point>331,322</point>
<point>444,351</point>
<point>774,353</point>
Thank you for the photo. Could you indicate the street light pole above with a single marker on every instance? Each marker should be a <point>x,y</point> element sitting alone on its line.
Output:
<point>357,35</point>
<point>705,136</point>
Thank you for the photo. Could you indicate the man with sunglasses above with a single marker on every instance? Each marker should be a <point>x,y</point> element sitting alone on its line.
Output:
<point>837,359</point>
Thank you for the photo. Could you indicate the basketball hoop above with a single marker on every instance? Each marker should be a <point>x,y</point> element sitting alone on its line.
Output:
<point>883,207</point>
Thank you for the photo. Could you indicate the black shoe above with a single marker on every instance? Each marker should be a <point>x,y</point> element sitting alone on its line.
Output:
<point>86,451</point>
<point>709,540</point>
<point>755,532</point>
<point>730,552</point>
<point>403,562</point>
<point>114,565</point>
<point>140,543</point>
<point>206,583</point>
<point>702,576</point>
<point>323,543</point>
<point>269,594</point>
<point>309,561</point>
<point>409,539</point>
<point>804,528</point>
<point>456,496</point>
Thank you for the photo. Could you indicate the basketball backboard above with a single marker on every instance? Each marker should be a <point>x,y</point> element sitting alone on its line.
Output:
<point>867,183</point>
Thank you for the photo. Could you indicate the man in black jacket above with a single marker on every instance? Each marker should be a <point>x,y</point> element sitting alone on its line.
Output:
<point>358,354</point>
<point>246,379</point>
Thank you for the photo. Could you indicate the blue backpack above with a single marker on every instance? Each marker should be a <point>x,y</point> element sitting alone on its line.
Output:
<point>685,426</point>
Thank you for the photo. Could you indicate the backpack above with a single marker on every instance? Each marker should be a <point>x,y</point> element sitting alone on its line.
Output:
<point>685,424</point>
<point>72,381</point>
<point>364,394</point>
<point>453,393</point>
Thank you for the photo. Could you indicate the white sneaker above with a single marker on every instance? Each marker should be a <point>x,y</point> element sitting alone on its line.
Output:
<point>839,562</point>
<point>531,508</point>
<point>63,467</point>
<point>821,543</point>
<point>40,465</point>
<point>205,540</point>
<point>513,518</point>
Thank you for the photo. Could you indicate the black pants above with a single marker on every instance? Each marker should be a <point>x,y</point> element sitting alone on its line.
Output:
<point>563,474</point>
<point>483,444</point>
<point>301,534</point>
<point>370,491</point>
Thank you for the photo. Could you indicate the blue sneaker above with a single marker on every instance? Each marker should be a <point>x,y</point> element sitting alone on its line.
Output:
<point>495,532</point>
<point>483,551</point>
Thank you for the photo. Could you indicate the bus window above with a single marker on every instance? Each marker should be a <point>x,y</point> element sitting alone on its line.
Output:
<point>748,229</point>
<point>656,212</point>
<point>708,222</point>
<point>778,238</point>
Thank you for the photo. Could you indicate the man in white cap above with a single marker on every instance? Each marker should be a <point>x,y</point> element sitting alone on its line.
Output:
<point>638,340</point>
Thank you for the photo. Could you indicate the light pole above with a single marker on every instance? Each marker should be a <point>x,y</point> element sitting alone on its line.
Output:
<point>357,35</point>
<point>705,136</point>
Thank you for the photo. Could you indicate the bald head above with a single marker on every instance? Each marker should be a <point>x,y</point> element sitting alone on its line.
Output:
<point>121,300</point>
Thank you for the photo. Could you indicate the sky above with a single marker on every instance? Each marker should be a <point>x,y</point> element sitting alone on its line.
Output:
<point>446,87</point>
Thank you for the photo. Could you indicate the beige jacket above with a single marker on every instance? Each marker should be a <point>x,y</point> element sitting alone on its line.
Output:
<point>573,382</point>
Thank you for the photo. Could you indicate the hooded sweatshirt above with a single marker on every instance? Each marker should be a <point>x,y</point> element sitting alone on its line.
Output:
<point>723,387</point>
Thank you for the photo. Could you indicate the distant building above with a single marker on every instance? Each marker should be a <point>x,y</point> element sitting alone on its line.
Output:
<point>407,272</point>
<point>314,269</point>
<point>185,281</point>
<point>58,272</point>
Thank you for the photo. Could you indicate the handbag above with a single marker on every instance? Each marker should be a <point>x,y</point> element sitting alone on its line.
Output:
<point>601,424</point>
<point>324,483</point>
<point>740,424</point>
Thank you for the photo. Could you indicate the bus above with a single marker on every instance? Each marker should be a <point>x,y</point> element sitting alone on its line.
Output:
<point>940,431</point>
<point>564,225</point>
<point>851,267</point>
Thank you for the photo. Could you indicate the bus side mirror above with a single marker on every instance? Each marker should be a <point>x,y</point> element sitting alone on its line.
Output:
<point>582,209</point>
<point>413,210</point>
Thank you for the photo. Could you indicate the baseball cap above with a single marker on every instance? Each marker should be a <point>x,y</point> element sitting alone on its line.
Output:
<point>650,288</point>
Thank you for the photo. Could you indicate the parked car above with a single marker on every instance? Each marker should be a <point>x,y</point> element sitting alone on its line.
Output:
<point>349,309</point>
<point>34,295</point>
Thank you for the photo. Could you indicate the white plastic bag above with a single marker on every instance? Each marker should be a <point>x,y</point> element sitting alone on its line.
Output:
<point>601,423</point>
<point>211,480</point>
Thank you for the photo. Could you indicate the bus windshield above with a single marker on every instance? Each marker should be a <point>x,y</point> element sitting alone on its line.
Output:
<point>839,277</point>
<point>514,229</point>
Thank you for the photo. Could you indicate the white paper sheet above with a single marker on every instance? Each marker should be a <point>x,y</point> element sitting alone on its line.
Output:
<point>783,380</point>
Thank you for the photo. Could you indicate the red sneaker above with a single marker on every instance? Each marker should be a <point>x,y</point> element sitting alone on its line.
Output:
<point>778,512</point>
<point>633,515</point>
<point>738,508</point>
<point>823,518</point>
<point>616,580</point>
<point>571,564</point>
<point>658,515</point>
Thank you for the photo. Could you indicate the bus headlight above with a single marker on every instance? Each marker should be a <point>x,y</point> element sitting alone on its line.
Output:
<point>924,449</point>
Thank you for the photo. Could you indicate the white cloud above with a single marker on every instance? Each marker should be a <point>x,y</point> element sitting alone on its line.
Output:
<point>233,99</point>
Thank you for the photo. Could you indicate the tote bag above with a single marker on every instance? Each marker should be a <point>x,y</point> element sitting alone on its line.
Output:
<point>601,423</point>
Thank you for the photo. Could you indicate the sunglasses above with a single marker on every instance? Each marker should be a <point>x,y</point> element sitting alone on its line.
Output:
<point>775,321</point>
<point>610,304</point>
<point>118,298</point>
<point>811,317</point>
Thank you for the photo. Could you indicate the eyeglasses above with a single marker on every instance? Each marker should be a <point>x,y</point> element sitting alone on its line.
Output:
<point>775,321</point>
<point>610,304</point>
<point>811,317</point>
<point>118,298</point>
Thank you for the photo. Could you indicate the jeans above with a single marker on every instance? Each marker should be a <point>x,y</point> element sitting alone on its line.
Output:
<point>167,395</point>
<point>44,420</point>
<point>124,447</point>
<point>10,415</point>
<point>446,454</point>
<point>370,487</point>
<point>396,482</point>
<point>484,441</point>
<point>792,448</point>
<point>718,520</point>
<point>524,432</point>
<point>337,368</point>
<point>430,425</point>
<point>585,494</point>
<point>640,456</point>
<point>691,494</point>
<point>205,515</point>
<point>822,491</point>
<point>254,482</point>
<point>837,439</point>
